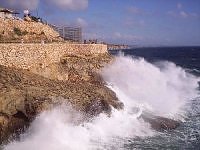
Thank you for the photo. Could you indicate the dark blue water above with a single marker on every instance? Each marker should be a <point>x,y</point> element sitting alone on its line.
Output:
<point>187,136</point>
<point>186,57</point>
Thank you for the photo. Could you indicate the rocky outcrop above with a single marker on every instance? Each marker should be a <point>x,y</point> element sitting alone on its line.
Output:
<point>56,77</point>
<point>160,123</point>
<point>12,30</point>
<point>23,94</point>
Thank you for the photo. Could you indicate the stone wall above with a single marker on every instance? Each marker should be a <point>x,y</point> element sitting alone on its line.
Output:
<point>28,56</point>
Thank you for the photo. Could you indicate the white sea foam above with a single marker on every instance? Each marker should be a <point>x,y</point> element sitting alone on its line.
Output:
<point>163,88</point>
<point>58,130</point>
<point>140,85</point>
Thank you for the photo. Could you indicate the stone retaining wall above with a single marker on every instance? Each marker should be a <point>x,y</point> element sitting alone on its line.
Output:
<point>28,56</point>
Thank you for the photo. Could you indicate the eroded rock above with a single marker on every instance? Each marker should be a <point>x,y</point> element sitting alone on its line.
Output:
<point>13,30</point>
<point>24,94</point>
<point>160,123</point>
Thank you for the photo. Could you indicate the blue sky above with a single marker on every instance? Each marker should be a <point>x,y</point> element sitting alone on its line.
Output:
<point>138,22</point>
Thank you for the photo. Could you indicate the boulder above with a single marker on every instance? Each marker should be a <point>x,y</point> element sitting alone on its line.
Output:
<point>160,123</point>
<point>97,107</point>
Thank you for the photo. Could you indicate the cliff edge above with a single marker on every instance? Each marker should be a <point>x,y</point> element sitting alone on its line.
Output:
<point>12,30</point>
<point>23,94</point>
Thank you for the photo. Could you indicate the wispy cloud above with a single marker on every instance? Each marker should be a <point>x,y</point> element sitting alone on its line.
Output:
<point>20,4</point>
<point>131,22</point>
<point>179,6</point>
<point>81,22</point>
<point>78,22</point>
<point>135,10</point>
<point>182,14</point>
<point>138,11</point>
<point>125,37</point>
<point>69,4</point>
<point>33,4</point>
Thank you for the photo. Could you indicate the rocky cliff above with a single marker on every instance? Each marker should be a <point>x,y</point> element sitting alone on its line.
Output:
<point>12,30</point>
<point>37,77</point>
<point>23,94</point>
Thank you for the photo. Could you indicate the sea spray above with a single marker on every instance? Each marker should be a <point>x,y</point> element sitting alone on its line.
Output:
<point>141,86</point>
<point>162,89</point>
<point>58,130</point>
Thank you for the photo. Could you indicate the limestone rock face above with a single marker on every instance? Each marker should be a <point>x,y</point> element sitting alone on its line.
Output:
<point>75,68</point>
<point>24,94</point>
<point>12,30</point>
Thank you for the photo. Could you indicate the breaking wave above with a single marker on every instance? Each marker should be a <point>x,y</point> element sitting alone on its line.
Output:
<point>162,89</point>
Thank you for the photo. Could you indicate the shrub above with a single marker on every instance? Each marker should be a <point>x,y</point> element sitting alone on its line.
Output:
<point>42,33</point>
<point>19,32</point>
<point>25,32</point>
<point>1,37</point>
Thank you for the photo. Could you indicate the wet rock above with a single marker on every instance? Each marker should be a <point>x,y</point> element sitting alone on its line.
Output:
<point>23,95</point>
<point>97,107</point>
<point>160,123</point>
<point>12,126</point>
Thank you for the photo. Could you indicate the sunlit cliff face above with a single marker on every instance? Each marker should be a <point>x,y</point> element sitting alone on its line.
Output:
<point>140,85</point>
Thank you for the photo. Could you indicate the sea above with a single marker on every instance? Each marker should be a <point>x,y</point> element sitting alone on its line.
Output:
<point>161,81</point>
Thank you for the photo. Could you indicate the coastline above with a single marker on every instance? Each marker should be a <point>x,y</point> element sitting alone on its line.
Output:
<point>36,77</point>
<point>73,78</point>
